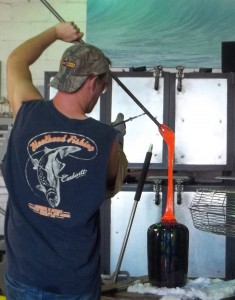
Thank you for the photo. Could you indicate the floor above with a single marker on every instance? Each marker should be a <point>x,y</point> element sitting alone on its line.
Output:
<point>128,296</point>
<point>119,290</point>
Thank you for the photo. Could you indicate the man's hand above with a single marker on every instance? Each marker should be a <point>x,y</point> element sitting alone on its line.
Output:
<point>68,32</point>
<point>19,79</point>
<point>120,126</point>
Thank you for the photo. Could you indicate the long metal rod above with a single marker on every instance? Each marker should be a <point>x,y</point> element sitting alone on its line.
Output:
<point>134,98</point>
<point>128,230</point>
<point>137,198</point>
<point>127,120</point>
<point>52,10</point>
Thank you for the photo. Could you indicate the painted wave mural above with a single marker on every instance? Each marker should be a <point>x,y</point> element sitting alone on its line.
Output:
<point>161,32</point>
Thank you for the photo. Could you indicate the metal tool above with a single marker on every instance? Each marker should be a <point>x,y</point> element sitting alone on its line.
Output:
<point>134,98</point>
<point>52,10</point>
<point>136,200</point>
<point>137,197</point>
<point>127,120</point>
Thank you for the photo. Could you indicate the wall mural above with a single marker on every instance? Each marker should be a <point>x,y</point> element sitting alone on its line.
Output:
<point>161,32</point>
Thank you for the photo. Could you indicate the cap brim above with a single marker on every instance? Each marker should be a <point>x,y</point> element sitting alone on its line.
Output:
<point>67,83</point>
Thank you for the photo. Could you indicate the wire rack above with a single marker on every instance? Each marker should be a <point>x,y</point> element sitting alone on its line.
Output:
<point>214,211</point>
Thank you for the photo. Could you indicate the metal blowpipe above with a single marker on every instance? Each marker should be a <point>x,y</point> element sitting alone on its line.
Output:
<point>127,120</point>
<point>52,10</point>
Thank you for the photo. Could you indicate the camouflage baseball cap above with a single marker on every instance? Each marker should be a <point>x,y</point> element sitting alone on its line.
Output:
<point>78,63</point>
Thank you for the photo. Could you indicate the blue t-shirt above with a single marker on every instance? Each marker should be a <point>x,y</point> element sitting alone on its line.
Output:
<point>55,171</point>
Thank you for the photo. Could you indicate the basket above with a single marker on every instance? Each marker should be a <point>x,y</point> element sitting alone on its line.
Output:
<point>214,211</point>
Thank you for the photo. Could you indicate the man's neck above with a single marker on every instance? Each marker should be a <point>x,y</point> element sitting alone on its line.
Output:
<point>69,105</point>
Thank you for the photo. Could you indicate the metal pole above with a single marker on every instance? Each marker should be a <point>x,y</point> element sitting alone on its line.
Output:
<point>134,98</point>
<point>127,120</point>
<point>137,198</point>
<point>52,10</point>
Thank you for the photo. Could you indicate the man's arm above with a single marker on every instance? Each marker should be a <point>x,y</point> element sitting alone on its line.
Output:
<point>20,86</point>
<point>117,169</point>
<point>118,163</point>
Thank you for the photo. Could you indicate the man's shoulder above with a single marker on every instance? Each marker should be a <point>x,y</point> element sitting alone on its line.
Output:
<point>102,125</point>
<point>34,102</point>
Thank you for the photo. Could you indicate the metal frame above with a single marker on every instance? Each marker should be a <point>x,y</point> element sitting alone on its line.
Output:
<point>169,114</point>
<point>230,113</point>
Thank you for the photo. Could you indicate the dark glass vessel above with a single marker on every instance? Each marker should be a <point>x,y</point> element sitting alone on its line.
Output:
<point>167,248</point>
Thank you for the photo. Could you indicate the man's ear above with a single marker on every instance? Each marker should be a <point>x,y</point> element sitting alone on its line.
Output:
<point>92,83</point>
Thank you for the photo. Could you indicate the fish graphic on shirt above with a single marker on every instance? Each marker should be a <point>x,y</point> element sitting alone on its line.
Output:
<point>48,168</point>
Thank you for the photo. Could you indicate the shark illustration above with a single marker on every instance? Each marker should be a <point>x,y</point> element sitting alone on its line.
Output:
<point>48,168</point>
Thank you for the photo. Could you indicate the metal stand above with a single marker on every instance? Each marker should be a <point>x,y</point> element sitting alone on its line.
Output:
<point>138,193</point>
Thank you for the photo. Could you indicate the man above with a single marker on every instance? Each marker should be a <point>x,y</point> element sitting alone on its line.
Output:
<point>58,166</point>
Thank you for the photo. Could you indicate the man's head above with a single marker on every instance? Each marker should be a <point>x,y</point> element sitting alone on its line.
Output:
<point>78,63</point>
